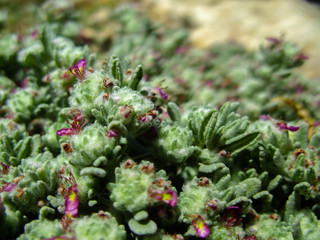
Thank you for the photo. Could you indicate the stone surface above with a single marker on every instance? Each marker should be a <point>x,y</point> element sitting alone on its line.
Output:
<point>248,22</point>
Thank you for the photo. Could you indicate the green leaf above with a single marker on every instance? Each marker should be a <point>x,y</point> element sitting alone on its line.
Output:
<point>136,77</point>
<point>174,112</point>
<point>241,142</point>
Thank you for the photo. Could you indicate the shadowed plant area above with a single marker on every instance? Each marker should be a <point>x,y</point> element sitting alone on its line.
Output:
<point>115,127</point>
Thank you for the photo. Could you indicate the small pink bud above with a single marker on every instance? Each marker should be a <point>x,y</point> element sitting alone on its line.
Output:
<point>112,133</point>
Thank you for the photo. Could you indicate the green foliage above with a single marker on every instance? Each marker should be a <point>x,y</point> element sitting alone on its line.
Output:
<point>168,144</point>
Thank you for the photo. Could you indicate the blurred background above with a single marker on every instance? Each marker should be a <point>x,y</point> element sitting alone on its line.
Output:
<point>248,22</point>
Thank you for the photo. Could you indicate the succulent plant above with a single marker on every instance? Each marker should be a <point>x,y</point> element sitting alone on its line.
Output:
<point>155,139</point>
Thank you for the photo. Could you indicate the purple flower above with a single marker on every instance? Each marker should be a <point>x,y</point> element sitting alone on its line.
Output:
<point>231,216</point>
<point>162,94</point>
<point>283,126</point>
<point>152,134</point>
<point>71,202</point>
<point>200,226</point>
<point>168,196</point>
<point>75,125</point>
<point>66,131</point>
<point>71,198</point>
<point>78,69</point>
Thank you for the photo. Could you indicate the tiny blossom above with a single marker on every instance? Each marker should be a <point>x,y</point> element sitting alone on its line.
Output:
<point>71,199</point>
<point>75,125</point>
<point>78,69</point>
<point>200,226</point>
<point>162,94</point>
<point>168,196</point>
<point>231,216</point>
<point>283,126</point>
<point>112,133</point>
<point>72,202</point>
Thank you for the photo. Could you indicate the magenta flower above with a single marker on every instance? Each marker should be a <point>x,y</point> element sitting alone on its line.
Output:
<point>78,70</point>
<point>67,131</point>
<point>71,198</point>
<point>162,94</point>
<point>168,196</point>
<point>200,226</point>
<point>283,126</point>
<point>71,202</point>
<point>75,125</point>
